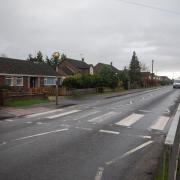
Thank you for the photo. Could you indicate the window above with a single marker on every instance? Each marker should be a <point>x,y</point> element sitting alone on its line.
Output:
<point>9,81</point>
<point>18,81</point>
<point>91,70</point>
<point>14,81</point>
<point>49,81</point>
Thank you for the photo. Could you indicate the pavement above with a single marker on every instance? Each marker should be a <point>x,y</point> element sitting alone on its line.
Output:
<point>100,138</point>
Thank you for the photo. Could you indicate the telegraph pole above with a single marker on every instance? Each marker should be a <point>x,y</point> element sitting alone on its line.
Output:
<point>152,72</point>
<point>152,66</point>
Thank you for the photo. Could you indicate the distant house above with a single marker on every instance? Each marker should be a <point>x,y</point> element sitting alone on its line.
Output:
<point>69,67</point>
<point>98,68</point>
<point>23,74</point>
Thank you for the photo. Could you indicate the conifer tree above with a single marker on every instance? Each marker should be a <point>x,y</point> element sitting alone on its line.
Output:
<point>135,71</point>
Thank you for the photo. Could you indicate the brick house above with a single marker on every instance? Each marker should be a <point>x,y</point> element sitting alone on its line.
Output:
<point>69,67</point>
<point>98,68</point>
<point>23,75</point>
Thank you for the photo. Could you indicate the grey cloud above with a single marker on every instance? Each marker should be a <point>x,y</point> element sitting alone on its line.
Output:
<point>101,30</point>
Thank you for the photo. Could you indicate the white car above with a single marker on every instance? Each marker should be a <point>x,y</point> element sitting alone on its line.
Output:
<point>176,83</point>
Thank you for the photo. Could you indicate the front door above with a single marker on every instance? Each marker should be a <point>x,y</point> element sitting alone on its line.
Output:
<point>33,82</point>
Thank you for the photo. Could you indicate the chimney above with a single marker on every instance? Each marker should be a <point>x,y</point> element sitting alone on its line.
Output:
<point>111,63</point>
<point>82,59</point>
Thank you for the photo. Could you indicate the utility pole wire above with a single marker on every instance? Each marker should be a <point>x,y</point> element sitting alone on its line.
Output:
<point>151,7</point>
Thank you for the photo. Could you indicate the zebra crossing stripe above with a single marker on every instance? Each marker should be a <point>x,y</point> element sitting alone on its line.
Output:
<point>43,113</point>
<point>128,121</point>
<point>103,117</point>
<point>160,123</point>
<point>63,114</point>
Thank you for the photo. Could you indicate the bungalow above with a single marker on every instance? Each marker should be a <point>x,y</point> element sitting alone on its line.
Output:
<point>21,74</point>
<point>69,67</point>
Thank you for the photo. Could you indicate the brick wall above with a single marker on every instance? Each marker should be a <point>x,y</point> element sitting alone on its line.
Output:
<point>2,80</point>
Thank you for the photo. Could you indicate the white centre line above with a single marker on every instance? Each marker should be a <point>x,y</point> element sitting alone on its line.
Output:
<point>145,111</point>
<point>41,134</point>
<point>129,152</point>
<point>63,114</point>
<point>82,128</point>
<point>43,113</point>
<point>40,123</point>
<point>28,122</point>
<point>9,120</point>
<point>128,121</point>
<point>160,123</point>
<point>99,173</point>
<point>110,132</point>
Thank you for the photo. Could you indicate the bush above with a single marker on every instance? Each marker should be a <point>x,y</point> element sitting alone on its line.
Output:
<point>81,81</point>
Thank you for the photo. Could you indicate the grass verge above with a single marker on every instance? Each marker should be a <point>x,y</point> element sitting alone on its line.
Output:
<point>25,102</point>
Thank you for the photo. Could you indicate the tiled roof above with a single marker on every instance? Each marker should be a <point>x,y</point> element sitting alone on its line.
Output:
<point>99,67</point>
<point>64,71</point>
<point>16,66</point>
<point>78,64</point>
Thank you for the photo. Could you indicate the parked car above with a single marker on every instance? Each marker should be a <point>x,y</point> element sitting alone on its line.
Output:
<point>176,83</point>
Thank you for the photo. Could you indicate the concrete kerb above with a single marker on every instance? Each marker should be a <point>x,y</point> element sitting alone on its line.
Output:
<point>172,146</point>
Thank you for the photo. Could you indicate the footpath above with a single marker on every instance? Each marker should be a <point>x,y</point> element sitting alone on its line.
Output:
<point>64,101</point>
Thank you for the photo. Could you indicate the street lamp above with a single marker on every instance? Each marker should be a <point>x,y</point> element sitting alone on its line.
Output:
<point>56,56</point>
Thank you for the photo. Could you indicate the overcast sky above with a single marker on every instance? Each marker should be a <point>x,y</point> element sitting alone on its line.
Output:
<point>98,30</point>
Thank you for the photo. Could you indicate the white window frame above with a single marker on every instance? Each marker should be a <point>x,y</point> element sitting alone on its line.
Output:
<point>9,78</point>
<point>15,81</point>
<point>46,80</point>
<point>91,70</point>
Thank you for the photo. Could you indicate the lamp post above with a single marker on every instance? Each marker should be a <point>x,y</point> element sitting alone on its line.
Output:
<point>56,56</point>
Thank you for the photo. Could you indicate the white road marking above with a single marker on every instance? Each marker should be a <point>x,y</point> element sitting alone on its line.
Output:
<point>3,143</point>
<point>103,117</point>
<point>99,173</point>
<point>40,123</point>
<point>9,120</point>
<point>63,114</point>
<point>160,123</point>
<point>28,122</point>
<point>167,111</point>
<point>129,152</point>
<point>146,111</point>
<point>128,121</point>
<point>41,134</point>
<point>110,132</point>
<point>86,115</point>
<point>87,129</point>
<point>43,113</point>
<point>145,137</point>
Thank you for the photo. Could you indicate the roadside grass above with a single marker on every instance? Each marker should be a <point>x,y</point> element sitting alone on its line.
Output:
<point>178,169</point>
<point>162,172</point>
<point>25,102</point>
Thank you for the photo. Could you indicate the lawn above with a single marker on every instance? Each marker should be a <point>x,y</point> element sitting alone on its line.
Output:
<point>25,102</point>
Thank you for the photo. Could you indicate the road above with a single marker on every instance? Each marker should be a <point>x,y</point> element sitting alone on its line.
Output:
<point>105,139</point>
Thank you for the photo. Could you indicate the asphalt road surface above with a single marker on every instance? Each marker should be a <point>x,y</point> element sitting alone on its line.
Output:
<point>115,138</point>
